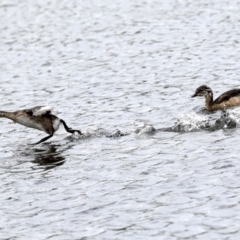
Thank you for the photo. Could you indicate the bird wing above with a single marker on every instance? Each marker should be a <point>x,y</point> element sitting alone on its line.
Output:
<point>227,95</point>
<point>39,111</point>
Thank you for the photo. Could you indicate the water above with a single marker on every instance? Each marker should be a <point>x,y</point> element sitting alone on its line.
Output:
<point>127,65</point>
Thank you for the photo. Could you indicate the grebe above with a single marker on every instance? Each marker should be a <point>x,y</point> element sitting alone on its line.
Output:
<point>228,99</point>
<point>39,118</point>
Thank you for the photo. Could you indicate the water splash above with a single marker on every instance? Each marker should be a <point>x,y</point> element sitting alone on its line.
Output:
<point>233,114</point>
<point>142,128</point>
<point>191,121</point>
<point>96,132</point>
<point>230,118</point>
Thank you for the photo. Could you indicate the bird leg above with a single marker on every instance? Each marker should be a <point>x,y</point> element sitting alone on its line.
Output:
<point>70,130</point>
<point>42,140</point>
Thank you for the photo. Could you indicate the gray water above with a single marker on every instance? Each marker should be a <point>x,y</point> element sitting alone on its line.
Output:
<point>128,65</point>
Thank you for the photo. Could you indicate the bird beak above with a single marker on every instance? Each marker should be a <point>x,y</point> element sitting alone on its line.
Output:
<point>194,95</point>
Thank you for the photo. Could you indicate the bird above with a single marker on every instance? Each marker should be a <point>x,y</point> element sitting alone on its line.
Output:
<point>226,100</point>
<point>40,118</point>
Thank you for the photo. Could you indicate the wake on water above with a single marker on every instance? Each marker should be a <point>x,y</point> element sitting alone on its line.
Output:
<point>192,121</point>
<point>186,122</point>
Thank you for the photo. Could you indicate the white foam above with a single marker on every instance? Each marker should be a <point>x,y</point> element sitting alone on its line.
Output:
<point>142,128</point>
<point>234,114</point>
<point>191,121</point>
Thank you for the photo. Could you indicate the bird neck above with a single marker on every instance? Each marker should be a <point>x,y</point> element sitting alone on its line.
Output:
<point>209,100</point>
<point>9,115</point>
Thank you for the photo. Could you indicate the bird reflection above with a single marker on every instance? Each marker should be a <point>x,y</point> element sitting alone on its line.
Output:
<point>50,157</point>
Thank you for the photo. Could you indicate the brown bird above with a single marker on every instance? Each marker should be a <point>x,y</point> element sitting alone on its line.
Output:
<point>228,99</point>
<point>39,118</point>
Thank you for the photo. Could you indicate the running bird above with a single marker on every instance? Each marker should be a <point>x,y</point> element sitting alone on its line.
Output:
<point>228,99</point>
<point>39,118</point>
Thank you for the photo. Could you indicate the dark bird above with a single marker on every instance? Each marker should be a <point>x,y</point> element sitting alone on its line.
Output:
<point>39,118</point>
<point>228,99</point>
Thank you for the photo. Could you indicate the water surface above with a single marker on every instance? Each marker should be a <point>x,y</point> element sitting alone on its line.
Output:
<point>127,65</point>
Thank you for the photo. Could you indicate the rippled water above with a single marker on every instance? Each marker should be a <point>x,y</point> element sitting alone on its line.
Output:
<point>127,65</point>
